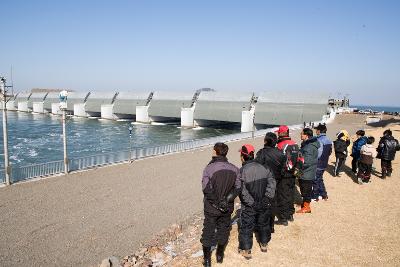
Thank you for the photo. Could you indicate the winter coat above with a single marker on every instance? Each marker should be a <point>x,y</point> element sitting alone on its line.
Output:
<point>324,151</point>
<point>287,145</point>
<point>219,179</point>
<point>387,147</point>
<point>367,154</point>
<point>258,183</point>
<point>340,147</point>
<point>309,150</point>
<point>355,152</point>
<point>272,158</point>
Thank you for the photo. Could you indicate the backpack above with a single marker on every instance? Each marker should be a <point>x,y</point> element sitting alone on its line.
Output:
<point>294,159</point>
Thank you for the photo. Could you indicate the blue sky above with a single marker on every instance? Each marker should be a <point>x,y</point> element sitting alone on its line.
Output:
<point>352,47</point>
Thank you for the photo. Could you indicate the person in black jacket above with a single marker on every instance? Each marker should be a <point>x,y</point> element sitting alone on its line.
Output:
<point>258,188</point>
<point>387,148</point>
<point>341,145</point>
<point>270,157</point>
<point>221,184</point>
<point>355,151</point>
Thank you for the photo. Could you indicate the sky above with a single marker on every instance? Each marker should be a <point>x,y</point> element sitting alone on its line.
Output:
<point>338,47</point>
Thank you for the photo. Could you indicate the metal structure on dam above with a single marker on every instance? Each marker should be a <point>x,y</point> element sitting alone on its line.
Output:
<point>200,108</point>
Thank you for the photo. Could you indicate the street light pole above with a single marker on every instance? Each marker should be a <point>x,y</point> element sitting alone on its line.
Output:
<point>130,143</point>
<point>63,108</point>
<point>3,92</point>
<point>254,126</point>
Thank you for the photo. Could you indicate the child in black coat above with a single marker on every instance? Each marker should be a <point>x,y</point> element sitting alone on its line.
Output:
<point>340,145</point>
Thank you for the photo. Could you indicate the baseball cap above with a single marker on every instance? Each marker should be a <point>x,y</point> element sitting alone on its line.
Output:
<point>282,129</point>
<point>247,149</point>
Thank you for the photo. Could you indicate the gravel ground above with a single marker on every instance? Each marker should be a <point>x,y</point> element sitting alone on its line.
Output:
<point>357,226</point>
<point>85,217</point>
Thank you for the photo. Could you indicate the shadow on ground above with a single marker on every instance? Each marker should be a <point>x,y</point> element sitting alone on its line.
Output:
<point>384,123</point>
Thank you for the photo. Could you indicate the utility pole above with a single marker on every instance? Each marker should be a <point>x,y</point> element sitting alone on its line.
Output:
<point>130,143</point>
<point>3,92</point>
<point>63,108</point>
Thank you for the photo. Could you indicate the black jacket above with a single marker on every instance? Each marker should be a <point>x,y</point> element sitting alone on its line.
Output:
<point>272,158</point>
<point>340,147</point>
<point>387,147</point>
<point>219,179</point>
<point>258,184</point>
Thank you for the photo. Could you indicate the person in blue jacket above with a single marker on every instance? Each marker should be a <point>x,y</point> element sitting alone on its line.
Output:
<point>355,152</point>
<point>324,151</point>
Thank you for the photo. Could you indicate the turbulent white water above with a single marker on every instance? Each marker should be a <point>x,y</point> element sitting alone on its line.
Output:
<point>38,138</point>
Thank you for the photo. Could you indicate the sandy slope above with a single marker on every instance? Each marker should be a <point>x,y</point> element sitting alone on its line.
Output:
<point>358,226</point>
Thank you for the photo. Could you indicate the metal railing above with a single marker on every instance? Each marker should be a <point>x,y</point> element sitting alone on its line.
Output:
<point>82,163</point>
<point>37,170</point>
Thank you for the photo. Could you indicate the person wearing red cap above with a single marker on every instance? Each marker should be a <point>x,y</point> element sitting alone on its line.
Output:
<point>285,188</point>
<point>258,188</point>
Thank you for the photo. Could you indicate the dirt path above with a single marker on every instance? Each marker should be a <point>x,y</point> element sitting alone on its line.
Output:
<point>358,226</point>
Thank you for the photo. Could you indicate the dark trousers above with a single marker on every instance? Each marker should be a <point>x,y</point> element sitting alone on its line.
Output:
<point>386,166</point>
<point>318,185</point>
<point>306,189</point>
<point>216,229</point>
<point>251,221</point>
<point>354,165</point>
<point>364,171</point>
<point>339,165</point>
<point>285,197</point>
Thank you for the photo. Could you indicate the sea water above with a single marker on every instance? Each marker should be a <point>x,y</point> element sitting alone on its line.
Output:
<point>37,138</point>
<point>378,108</point>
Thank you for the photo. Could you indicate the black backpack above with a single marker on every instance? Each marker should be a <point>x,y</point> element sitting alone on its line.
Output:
<point>294,159</point>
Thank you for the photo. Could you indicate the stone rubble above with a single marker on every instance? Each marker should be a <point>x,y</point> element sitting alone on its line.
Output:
<point>178,245</point>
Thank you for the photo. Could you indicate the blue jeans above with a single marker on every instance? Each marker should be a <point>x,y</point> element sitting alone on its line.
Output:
<point>318,185</point>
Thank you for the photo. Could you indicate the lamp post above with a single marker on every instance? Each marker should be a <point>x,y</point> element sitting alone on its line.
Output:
<point>130,143</point>
<point>254,126</point>
<point>3,93</point>
<point>63,108</point>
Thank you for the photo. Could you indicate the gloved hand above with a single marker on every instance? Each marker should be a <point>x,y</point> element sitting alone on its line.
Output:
<point>222,206</point>
<point>263,204</point>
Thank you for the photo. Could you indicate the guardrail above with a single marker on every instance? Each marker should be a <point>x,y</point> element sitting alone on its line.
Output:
<point>76,164</point>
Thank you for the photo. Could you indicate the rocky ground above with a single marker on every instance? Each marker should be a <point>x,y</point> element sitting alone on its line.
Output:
<point>357,226</point>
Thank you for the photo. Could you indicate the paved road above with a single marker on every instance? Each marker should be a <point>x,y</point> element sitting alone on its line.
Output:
<point>84,217</point>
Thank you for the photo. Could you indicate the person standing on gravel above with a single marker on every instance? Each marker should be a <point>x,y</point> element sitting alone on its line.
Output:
<point>221,185</point>
<point>271,158</point>
<point>367,155</point>
<point>387,148</point>
<point>341,145</point>
<point>309,150</point>
<point>258,189</point>
<point>286,186</point>
<point>355,151</point>
<point>324,151</point>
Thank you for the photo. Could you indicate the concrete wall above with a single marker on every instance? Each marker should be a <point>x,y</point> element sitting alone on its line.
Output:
<point>169,104</point>
<point>222,106</point>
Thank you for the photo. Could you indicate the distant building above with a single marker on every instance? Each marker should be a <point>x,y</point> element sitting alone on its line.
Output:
<point>339,103</point>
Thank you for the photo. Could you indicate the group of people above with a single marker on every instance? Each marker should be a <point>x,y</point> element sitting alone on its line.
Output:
<point>266,183</point>
<point>363,153</point>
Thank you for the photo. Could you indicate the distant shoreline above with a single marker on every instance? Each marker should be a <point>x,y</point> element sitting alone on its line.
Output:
<point>377,108</point>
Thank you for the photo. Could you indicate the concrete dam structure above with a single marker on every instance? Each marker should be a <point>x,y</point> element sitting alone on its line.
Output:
<point>204,107</point>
